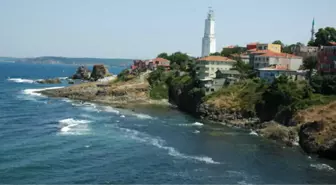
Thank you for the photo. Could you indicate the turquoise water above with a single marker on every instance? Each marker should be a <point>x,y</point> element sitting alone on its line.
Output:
<point>54,140</point>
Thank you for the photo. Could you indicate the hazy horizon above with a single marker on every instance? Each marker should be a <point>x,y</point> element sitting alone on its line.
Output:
<point>131,29</point>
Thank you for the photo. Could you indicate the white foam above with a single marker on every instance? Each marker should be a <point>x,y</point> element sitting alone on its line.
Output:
<point>35,92</point>
<point>143,116</point>
<point>198,124</point>
<point>62,78</point>
<point>122,116</point>
<point>253,133</point>
<point>21,80</point>
<point>159,143</point>
<point>110,109</point>
<point>322,167</point>
<point>196,132</point>
<point>72,126</point>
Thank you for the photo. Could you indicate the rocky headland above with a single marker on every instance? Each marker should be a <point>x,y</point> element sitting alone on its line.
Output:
<point>306,120</point>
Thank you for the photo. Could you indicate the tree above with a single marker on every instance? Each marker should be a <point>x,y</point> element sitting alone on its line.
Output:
<point>163,55</point>
<point>278,42</point>
<point>227,52</point>
<point>324,36</point>
<point>310,64</point>
<point>215,54</point>
<point>289,49</point>
<point>244,69</point>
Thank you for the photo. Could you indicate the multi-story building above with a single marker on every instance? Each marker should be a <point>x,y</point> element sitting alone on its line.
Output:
<point>271,47</point>
<point>305,51</point>
<point>271,72</point>
<point>327,59</point>
<point>264,59</point>
<point>207,66</point>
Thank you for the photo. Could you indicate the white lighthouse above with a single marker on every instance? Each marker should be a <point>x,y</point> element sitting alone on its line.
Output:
<point>209,41</point>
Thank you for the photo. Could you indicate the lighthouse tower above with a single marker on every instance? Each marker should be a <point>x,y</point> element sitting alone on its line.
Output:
<point>209,41</point>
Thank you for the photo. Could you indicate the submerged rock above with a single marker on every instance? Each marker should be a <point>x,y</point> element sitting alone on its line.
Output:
<point>49,81</point>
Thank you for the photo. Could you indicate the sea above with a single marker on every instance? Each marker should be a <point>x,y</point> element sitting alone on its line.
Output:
<point>61,141</point>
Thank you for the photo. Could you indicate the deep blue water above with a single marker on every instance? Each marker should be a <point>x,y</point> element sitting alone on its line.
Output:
<point>53,140</point>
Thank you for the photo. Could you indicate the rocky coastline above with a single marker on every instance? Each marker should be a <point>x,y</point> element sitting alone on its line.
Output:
<point>313,135</point>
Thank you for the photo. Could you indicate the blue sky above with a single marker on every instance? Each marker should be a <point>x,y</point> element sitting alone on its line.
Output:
<point>144,28</point>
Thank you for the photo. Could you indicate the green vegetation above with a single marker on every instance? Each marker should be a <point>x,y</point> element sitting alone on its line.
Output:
<point>125,75</point>
<point>228,52</point>
<point>325,84</point>
<point>324,36</point>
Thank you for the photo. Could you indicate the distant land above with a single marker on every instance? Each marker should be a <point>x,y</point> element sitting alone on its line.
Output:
<point>66,60</point>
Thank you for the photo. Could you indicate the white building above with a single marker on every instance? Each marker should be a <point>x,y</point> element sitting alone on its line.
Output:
<point>207,66</point>
<point>267,58</point>
<point>272,72</point>
<point>209,40</point>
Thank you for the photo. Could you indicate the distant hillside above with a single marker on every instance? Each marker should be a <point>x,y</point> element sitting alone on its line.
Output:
<point>75,61</point>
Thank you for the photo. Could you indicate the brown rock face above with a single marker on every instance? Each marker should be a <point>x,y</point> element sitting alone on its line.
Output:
<point>82,73</point>
<point>49,81</point>
<point>99,71</point>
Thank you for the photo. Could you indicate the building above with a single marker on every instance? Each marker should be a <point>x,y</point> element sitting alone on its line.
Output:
<point>271,72</point>
<point>243,57</point>
<point>327,59</point>
<point>207,66</point>
<point>252,46</point>
<point>267,58</point>
<point>209,40</point>
<point>305,51</point>
<point>159,62</point>
<point>271,47</point>
<point>223,77</point>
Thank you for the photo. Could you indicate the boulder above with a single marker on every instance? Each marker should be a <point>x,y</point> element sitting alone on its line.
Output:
<point>280,133</point>
<point>82,73</point>
<point>318,137</point>
<point>49,81</point>
<point>99,71</point>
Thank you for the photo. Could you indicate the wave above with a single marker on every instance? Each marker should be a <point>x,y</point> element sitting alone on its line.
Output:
<point>159,143</point>
<point>21,80</point>
<point>72,126</point>
<point>253,133</point>
<point>198,124</point>
<point>196,132</point>
<point>35,92</point>
<point>143,116</point>
<point>63,78</point>
<point>322,167</point>
<point>110,109</point>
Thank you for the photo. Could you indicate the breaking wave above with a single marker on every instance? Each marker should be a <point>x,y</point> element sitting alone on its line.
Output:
<point>322,167</point>
<point>159,143</point>
<point>35,92</point>
<point>143,116</point>
<point>197,124</point>
<point>21,80</point>
<point>72,126</point>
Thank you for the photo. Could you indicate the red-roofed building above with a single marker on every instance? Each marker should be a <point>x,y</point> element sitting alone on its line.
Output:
<point>252,46</point>
<point>157,62</point>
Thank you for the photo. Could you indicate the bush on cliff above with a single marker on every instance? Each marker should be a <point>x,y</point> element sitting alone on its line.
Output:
<point>158,82</point>
<point>239,97</point>
<point>125,75</point>
<point>324,84</point>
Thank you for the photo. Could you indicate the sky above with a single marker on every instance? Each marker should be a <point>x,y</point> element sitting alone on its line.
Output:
<point>144,28</point>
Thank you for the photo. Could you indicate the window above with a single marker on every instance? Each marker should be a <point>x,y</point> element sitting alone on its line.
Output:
<point>267,59</point>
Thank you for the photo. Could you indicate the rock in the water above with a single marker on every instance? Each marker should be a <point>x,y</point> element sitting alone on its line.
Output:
<point>49,81</point>
<point>318,137</point>
<point>280,133</point>
<point>82,73</point>
<point>99,71</point>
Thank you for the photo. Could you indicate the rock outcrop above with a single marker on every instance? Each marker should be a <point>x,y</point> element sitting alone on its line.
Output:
<point>99,72</point>
<point>82,73</point>
<point>317,132</point>
<point>49,81</point>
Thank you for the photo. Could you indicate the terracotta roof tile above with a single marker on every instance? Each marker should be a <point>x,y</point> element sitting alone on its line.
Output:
<point>160,59</point>
<point>275,54</point>
<point>216,58</point>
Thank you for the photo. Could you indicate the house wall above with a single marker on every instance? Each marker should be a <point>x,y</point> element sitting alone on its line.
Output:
<point>270,47</point>
<point>327,59</point>
<point>207,69</point>
<point>270,75</point>
<point>265,61</point>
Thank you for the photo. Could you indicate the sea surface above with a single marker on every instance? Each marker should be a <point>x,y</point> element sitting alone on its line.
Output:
<point>57,141</point>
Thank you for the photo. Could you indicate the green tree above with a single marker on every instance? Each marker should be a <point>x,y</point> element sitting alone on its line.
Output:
<point>179,58</point>
<point>215,54</point>
<point>324,36</point>
<point>278,42</point>
<point>310,64</point>
<point>227,52</point>
<point>289,48</point>
<point>163,55</point>
<point>244,69</point>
